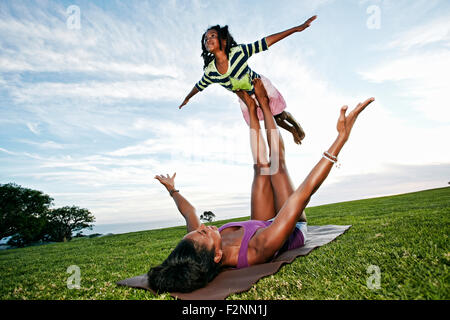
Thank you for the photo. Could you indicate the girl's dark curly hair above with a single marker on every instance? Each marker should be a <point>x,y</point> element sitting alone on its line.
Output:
<point>186,269</point>
<point>223,34</point>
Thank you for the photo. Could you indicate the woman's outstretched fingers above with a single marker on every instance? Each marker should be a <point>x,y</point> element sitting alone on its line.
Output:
<point>166,180</point>
<point>361,106</point>
<point>345,122</point>
<point>343,111</point>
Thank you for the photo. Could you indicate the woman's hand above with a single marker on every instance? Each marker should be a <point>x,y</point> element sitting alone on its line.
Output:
<point>306,24</point>
<point>345,122</point>
<point>260,91</point>
<point>166,181</point>
<point>249,102</point>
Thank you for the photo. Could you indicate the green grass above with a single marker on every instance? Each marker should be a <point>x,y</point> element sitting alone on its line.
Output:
<point>406,236</point>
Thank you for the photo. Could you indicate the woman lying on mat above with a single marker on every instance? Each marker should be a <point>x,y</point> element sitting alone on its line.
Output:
<point>278,220</point>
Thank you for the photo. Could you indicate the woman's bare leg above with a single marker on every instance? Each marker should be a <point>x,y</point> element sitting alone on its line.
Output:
<point>281,181</point>
<point>262,199</point>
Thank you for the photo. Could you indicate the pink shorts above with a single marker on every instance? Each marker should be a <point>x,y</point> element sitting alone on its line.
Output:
<point>276,101</point>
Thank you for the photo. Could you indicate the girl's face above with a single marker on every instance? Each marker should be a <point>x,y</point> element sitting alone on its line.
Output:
<point>212,41</point>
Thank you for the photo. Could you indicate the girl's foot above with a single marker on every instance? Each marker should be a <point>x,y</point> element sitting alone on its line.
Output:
<point>297,138</point>
<point>283,124</point>
<point>290,118</point>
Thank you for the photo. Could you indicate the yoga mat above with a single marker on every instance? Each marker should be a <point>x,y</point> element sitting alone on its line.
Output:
<point>238,280</point>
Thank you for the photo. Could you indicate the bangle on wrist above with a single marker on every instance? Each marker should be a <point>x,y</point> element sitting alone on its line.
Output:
<point>331,158</point>
<point>173,191</point>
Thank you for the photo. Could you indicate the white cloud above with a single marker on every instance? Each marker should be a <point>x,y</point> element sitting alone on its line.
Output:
<point>393,179</point>
<point>8,152</point>
<point>41,42</point>
<point>43,145</point>
<point>424,78</point>
<point>435,31</point>
<point>107,92</point>
<point>419,65</point>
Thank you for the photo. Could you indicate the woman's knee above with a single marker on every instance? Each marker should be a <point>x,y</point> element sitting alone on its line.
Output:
<point>260,168</point>
<point>276,167</point>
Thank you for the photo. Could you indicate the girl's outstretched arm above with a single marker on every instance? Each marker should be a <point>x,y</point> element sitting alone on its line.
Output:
<point>274,236</point>
<point>274,38</point>
<point>193,92</point>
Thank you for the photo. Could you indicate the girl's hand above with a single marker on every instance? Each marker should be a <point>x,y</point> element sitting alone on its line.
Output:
<point>345,122</point>
<point>306,24</point>
<point>166,181</point>
<point>184,102</point>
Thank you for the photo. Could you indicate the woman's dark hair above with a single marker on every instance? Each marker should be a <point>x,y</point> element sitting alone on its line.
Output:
<point>223,34</point>
<point>186,269</point>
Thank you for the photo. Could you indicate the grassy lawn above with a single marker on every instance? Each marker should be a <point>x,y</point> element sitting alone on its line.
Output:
<point>405,236</point>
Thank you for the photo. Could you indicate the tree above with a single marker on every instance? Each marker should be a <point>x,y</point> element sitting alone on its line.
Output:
<point>63,222</point>
<point>25,215</point>
<point>207,216</point>
<point>22,213</point>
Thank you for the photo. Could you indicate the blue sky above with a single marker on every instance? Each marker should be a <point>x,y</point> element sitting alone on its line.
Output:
<point>89,115</point>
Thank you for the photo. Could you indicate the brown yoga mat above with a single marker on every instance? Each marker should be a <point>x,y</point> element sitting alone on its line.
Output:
<point>238,280</point>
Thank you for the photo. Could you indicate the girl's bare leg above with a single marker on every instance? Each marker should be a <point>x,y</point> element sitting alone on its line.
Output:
<point>281,182</point>
<point>262,198</point>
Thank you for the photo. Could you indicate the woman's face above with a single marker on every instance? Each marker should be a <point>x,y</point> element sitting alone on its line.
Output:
<point>212,41</point>
<point>206,236</point>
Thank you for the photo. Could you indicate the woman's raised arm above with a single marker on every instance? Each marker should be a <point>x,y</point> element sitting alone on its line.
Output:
<point>185,208</point>
<point>274,236</point>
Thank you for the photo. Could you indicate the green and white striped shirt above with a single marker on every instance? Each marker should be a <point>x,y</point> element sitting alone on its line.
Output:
<point>239,75</point>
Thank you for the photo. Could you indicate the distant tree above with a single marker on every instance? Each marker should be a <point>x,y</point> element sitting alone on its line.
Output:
<point>22,213</point>
<point>63,222</point>
<point>207,216</point>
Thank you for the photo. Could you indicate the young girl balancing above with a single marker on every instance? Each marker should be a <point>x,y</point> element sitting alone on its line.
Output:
<point>226,64</point>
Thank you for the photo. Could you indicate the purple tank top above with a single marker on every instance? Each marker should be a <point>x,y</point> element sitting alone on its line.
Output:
<point>250,226</point>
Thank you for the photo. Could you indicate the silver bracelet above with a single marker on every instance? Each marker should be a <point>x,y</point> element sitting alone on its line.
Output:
<point>329,159</point>
<point>330,156</point>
